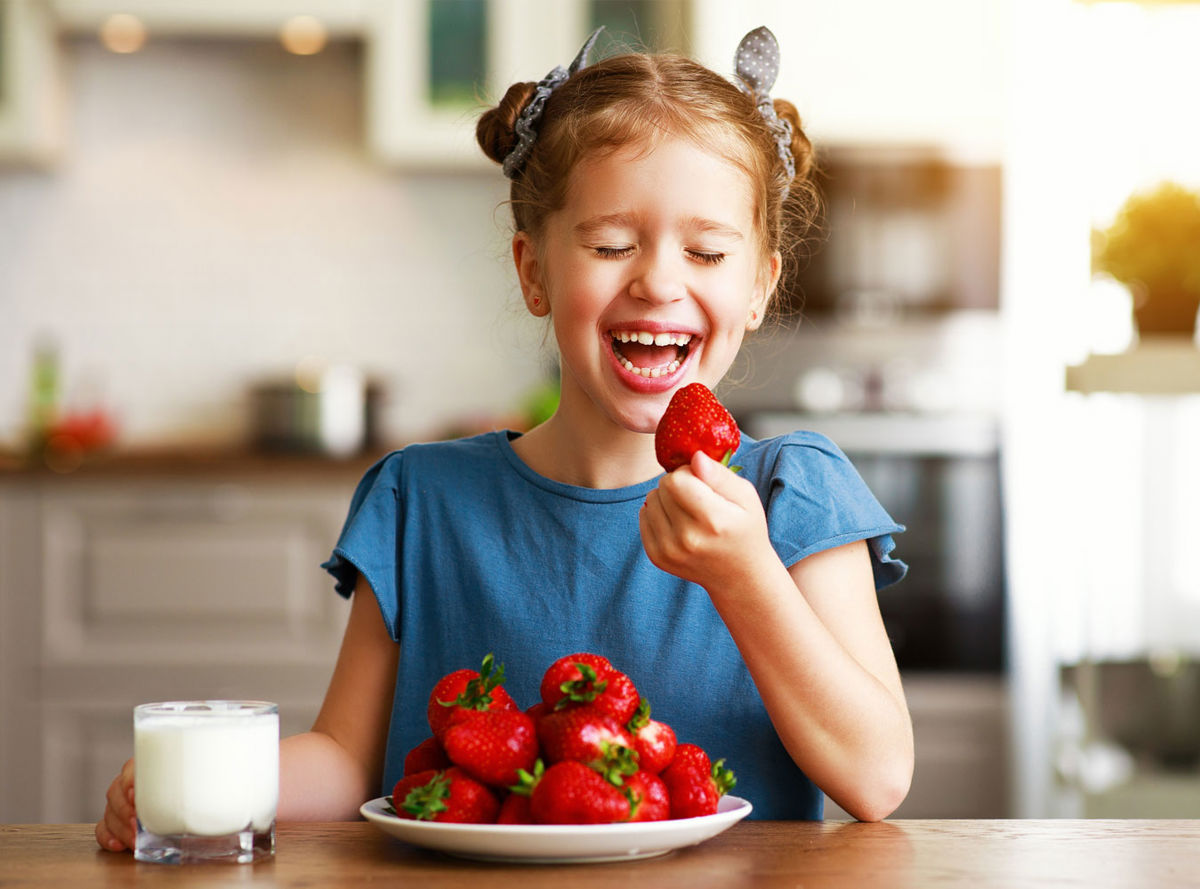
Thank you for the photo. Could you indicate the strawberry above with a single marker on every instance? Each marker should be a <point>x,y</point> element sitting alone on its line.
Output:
<point>491,745</point>
<point>572,793</point>
<point>694,784</point>
<point>648,798</point>
<point>450,795</point>
<point>467,690</point>
<point>653,741</point>
<point>426,756</point>
<point>585,678</point>
<point>516,809</point>
<point>583,734</point>
<point>695,421</point>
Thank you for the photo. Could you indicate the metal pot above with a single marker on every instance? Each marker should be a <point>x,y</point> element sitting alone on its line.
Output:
<point>334,414</point>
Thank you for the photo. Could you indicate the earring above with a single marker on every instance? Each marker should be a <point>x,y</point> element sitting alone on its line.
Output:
<point>537,301</point>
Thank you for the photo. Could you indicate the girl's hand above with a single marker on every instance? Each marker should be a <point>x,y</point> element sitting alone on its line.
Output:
<point>117,830</point>
<point>706,524</point>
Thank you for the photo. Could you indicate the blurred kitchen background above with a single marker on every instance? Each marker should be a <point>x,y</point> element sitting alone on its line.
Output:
<point>248,246</point>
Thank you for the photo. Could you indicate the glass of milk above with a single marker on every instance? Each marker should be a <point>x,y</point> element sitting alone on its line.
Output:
<point>206,780</point>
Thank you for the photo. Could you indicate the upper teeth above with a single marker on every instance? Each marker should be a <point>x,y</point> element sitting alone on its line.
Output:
<point>653,339</point>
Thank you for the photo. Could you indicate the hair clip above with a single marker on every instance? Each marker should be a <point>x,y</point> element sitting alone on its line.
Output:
<point>756,63</point>
<point>526,125</point>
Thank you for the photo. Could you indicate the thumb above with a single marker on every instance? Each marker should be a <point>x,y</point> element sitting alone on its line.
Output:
<point>723,480</point>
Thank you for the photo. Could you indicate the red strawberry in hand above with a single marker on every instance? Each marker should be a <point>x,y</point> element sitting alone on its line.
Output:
<point>492,745</point>
<point>467,690</point>
<point>584,678</point>
<point>653,741</point>
<point>694,784</point>
<point>695,421</point>
<point>450,795</point>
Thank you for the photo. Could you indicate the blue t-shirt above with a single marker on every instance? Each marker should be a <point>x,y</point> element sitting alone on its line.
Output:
<point>469,551</point>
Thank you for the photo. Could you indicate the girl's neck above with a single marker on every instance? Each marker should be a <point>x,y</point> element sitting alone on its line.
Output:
<point>590,458</point>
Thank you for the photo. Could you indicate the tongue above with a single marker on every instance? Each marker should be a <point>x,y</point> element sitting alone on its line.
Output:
<point>647,356</point>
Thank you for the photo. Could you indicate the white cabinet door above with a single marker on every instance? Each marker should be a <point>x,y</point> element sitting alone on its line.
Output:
<point>188,573</point>
<point>115,592</point>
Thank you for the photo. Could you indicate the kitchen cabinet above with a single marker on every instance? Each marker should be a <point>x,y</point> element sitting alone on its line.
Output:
<point>409,121</point>
<point>120,589</point>
<point>30,128</point>
<point>960,727</point>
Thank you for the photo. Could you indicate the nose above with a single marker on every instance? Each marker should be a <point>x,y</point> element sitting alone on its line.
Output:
<point>658,277</point>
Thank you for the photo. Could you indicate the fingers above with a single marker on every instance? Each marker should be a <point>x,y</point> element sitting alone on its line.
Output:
<point>117,830</point>
<point>723,481</point>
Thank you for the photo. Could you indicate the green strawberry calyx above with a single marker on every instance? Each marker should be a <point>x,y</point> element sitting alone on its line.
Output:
<point>583,690</point>
<point>526,781</point>
<point>640,718</point>
<point>617,763</point>
<point>728,457</point>
<point>478,692</point>
<point>723,778</point>
<point>425,802</point>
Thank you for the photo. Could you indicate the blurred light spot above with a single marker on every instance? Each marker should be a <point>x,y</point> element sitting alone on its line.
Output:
<point>1166,664</point>
<point>123,33</point>
<point>303,35</point>
<point>309,372</point>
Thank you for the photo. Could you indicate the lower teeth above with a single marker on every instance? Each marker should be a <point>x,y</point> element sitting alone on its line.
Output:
<point>652,372</point>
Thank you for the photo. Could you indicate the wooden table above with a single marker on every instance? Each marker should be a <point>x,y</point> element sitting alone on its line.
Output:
<point>812,855</point>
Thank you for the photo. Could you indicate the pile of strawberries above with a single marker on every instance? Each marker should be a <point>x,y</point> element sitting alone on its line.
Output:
<point>586,753</point>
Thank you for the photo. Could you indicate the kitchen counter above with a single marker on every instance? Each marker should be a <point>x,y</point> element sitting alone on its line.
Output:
<point>918,854</point>
<point>187,462</point>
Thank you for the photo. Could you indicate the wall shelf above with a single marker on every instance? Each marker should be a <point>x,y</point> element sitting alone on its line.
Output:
<point>1165,365</point>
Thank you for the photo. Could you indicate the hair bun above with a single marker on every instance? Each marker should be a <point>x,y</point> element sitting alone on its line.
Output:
<point>495,132</point>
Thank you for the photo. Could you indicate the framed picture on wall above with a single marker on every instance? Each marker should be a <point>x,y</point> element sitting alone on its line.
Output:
<point>434,65</point>
<point>30,111</point>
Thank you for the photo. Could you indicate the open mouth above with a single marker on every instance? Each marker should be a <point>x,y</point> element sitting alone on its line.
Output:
<point>650,354</point>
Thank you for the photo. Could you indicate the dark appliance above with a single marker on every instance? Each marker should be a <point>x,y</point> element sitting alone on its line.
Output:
<point>939,475</point>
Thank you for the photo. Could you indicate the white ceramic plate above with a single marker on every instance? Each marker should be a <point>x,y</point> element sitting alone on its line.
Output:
<point>557,843</point>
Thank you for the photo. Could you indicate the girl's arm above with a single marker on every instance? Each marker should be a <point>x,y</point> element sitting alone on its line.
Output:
<point>325,774</point>
<point>820,659</point>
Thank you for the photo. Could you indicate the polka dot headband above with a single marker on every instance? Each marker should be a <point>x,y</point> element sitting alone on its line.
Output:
<point>756,64</point>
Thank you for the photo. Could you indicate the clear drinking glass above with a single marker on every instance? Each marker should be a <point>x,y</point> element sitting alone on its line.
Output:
<point>206,780</point>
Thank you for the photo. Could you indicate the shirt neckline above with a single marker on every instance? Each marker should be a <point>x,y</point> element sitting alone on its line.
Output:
<point>504,438</point>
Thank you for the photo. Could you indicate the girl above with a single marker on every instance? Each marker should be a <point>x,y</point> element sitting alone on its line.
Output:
<point>650,197</point>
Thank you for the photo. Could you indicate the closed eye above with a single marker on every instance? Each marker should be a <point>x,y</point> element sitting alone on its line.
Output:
<point>613,252</point>
<point>707,258</point>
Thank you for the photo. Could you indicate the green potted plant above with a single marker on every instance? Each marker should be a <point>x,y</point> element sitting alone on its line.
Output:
<point>1153,247</point>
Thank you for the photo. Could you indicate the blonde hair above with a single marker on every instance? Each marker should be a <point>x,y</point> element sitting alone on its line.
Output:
<point>636,99</point>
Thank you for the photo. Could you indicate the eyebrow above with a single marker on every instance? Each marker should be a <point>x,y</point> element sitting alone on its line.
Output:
<point>590,227</point>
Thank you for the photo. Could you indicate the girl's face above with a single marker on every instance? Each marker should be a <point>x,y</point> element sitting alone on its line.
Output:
<point>652,273</point>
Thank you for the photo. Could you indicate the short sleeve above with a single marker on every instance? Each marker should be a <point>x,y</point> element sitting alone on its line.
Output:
<point>369,541</point>
<point>816,500</point>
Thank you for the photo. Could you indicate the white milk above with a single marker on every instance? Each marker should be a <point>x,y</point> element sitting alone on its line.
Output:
<point>206,773</point>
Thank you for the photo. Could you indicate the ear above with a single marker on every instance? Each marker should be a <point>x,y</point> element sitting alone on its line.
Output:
<point>529,273</point>
<point>762,295</point>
